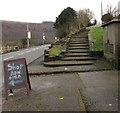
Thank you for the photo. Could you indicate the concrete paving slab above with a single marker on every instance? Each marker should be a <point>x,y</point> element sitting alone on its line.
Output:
<point>100,90</point>
<point>49,93</point>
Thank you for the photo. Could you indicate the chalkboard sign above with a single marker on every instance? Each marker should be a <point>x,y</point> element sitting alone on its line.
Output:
<point>16,75</point>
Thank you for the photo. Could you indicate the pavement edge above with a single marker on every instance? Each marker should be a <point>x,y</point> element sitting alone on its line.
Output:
<point>80,100</point>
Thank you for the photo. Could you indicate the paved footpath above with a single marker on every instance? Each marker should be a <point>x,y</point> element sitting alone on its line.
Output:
<point>64,92</point>
<point>49,93</point>
<point>100,90</point>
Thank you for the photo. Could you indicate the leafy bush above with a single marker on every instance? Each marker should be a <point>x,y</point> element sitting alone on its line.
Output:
<point>55,50</point>
<point>97,38</point>
<point>24,41</point>
<point>107,17</point>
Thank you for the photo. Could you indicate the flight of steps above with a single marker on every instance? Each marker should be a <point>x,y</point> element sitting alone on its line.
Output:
<point>77,59</point>
<point>77,54</point>
<point>78,50</point>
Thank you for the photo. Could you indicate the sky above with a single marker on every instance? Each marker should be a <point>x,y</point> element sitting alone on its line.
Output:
<point>37,11</point>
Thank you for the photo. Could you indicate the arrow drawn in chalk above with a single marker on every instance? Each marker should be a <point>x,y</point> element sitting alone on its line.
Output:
<point>12,83</point>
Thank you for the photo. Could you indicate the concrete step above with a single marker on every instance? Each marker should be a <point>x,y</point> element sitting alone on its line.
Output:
<point>76,54</point>
<point>83,39</point>
<point>67,63</point>
<point>79,40</point>
<point>99,65</point>
<point>80,37</point>
<point>78,47</point>
<point>41,70</point>
<point>79,51</point>
<point>85,42</point>
<point>75,45</point>
<point>78,58</point>
<point>75,41</point>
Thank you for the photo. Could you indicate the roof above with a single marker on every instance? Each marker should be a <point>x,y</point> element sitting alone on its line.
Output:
<point>112,21</point>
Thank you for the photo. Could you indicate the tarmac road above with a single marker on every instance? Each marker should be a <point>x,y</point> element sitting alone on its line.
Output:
<point>30,54</point>
<point>38,61</point>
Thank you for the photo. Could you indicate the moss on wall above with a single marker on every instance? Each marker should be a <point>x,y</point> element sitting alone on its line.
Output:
<point>109,57</point>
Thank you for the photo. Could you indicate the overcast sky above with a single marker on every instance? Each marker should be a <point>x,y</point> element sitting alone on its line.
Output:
<point>47,10</point>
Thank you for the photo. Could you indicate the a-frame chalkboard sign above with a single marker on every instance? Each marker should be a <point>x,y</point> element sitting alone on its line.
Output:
<point>16,75</point>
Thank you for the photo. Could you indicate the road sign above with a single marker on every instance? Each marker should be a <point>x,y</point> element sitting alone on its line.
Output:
<point>43,37</point>
<point>55,38</point>
<point>16,75</point>
<point>29,35</point>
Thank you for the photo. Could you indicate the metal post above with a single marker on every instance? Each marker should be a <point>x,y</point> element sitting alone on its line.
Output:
<point>28,42</point>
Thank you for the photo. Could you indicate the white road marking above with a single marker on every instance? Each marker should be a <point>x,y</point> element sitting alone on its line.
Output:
<point>8,58</point>
<point>20,53</point>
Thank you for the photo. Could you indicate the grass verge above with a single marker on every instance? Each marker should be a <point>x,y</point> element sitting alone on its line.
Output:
<point>97,38</point>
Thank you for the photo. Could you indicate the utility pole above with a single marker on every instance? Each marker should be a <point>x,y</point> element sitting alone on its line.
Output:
<point>101,9</point>
<point>27,27</point>
<point>28,36</point>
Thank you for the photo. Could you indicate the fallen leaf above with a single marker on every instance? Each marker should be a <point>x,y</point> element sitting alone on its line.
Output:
<point>61,98</point>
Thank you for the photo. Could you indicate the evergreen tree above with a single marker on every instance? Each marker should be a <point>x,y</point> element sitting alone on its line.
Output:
<point>65,22</point>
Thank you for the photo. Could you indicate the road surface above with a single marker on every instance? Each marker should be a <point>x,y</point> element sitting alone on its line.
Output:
<point>38,61</point>
<point>30,54</point>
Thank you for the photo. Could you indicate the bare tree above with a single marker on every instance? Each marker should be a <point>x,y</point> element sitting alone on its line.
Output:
<point>112,11</point>
<point>84,17</point>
